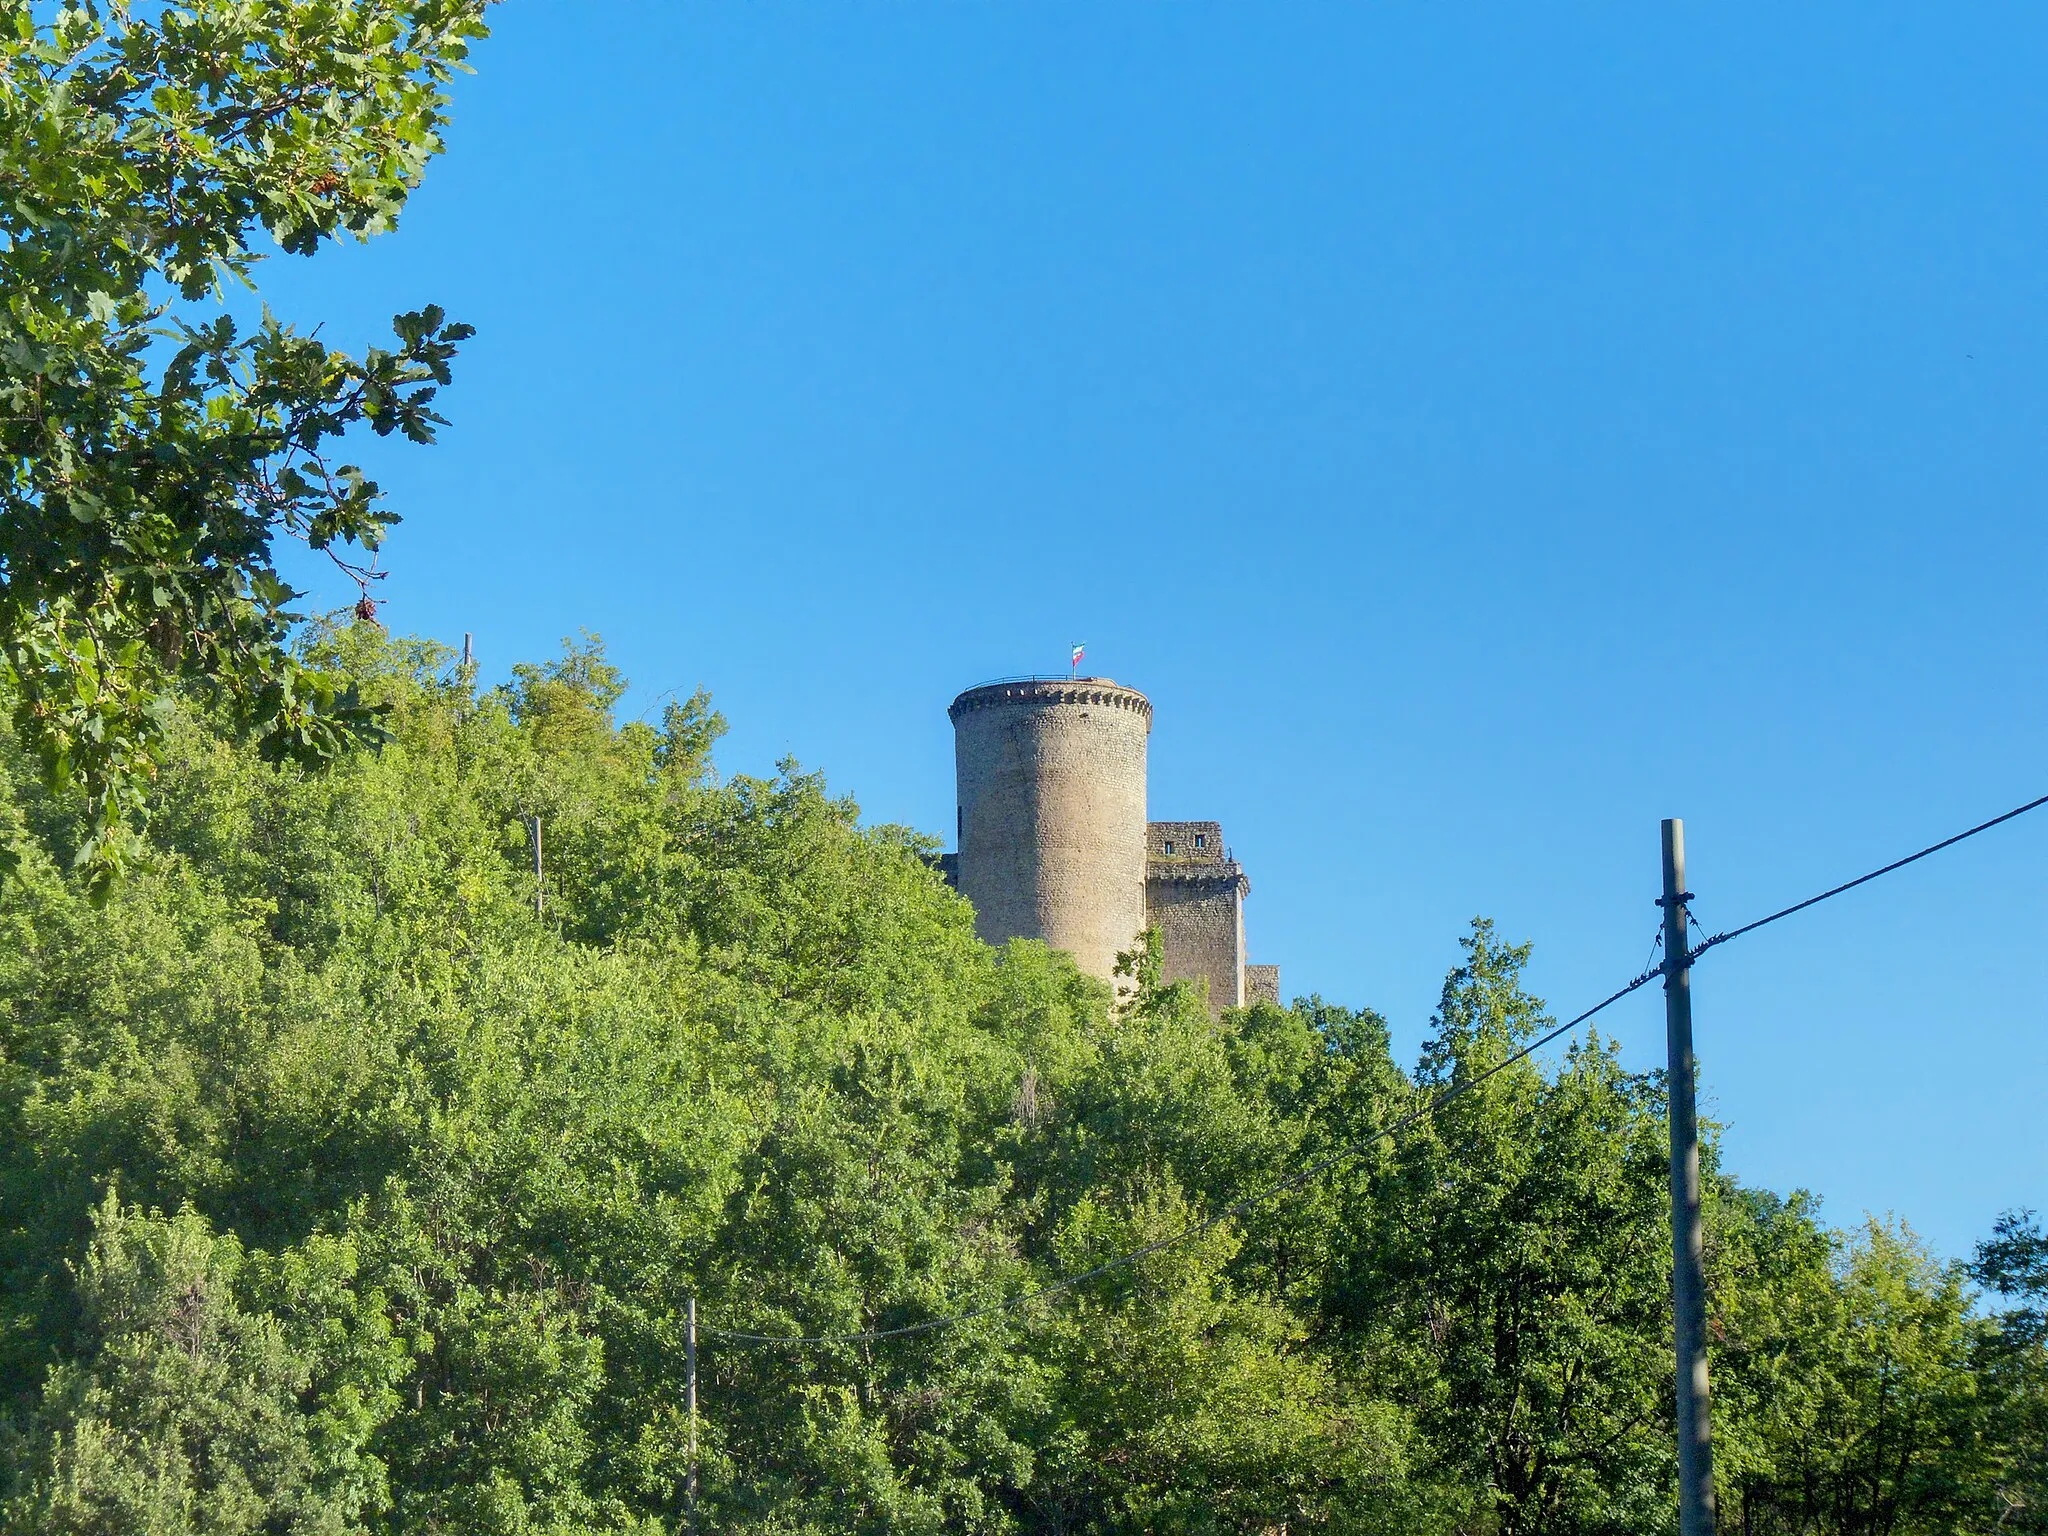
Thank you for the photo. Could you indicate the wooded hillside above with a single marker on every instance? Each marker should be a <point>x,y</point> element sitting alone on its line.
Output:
<point>341,1191</point>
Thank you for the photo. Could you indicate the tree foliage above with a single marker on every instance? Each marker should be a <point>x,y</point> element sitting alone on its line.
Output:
<point>152,449</point>
<point>343,1190</point>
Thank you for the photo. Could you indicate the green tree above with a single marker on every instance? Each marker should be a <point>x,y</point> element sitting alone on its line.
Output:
<point>188,1408</point>
<point>1505,1269</point>
<point>449,1170</point>
<point>151,452</point>
<point>2013,1367</point>
<point>1857,1366</point>
<point>2013,1261</point>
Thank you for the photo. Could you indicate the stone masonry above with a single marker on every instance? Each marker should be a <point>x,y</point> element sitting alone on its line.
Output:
<point>1054,844</point>
<point>1262,984</point>
<point>1052,813</point>
<point>1194,896</point>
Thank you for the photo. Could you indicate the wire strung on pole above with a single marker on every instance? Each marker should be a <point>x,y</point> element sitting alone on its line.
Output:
<point>1351,1150</point>
<point>1850,885</point>
<point>1194,1229</point>
<point>1656,948</point>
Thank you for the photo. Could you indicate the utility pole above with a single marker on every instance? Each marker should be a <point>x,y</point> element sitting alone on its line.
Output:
<point>465,676</point>
<point>690,1356</point>
<point>1688,1242</point>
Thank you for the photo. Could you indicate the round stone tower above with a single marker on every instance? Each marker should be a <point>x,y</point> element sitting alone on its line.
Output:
<point>1052,813</point>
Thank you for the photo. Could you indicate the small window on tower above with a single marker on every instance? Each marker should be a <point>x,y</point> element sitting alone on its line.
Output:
<point>1169,845</point>
<point>1201,839</point>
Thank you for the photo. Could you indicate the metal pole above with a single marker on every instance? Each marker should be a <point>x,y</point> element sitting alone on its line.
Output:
<point>690,1355</point>
<point>1688,1241</point>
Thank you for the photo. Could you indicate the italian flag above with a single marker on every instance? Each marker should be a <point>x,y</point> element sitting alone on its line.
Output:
<point>1079,652</point>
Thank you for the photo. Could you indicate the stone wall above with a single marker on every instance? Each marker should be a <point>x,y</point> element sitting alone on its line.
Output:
<point>1198,909</point>
<point>1262,984</point>
<point>1186,841</point>
<point>1052,813</point>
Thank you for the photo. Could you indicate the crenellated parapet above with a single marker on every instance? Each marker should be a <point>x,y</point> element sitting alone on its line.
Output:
<point>1027,691</point>
<point>1220,873</point>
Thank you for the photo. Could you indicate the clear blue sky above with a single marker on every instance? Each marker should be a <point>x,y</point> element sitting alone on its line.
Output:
<point>1481,433</point>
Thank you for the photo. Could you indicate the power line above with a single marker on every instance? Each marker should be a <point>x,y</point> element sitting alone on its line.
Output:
<point>1850,885</point>
<point>1194,1229</point>
<point>1351,1150</point>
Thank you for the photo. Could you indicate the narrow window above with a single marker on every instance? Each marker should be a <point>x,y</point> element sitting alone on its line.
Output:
<point>1169,845</point>
<point>1201,840</point>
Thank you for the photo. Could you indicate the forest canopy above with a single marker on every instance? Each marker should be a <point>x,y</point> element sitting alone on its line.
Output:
<point>345,1187</point>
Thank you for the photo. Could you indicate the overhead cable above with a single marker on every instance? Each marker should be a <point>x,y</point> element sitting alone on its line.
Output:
<point>1351,1150</point>
<point>1850,885</point>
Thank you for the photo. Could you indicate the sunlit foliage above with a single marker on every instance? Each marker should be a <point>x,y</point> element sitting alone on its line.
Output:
<point>346,1186</point>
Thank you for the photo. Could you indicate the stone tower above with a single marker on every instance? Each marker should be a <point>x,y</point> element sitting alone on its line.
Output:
<point>1054,844</point>
<point>1052,841</point>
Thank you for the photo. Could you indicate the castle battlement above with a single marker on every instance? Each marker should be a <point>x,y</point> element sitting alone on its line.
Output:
<point>1230,873</point>
<point>1010,692</point>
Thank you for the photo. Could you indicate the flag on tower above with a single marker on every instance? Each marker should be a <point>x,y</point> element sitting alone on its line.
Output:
<point>1079,651</point>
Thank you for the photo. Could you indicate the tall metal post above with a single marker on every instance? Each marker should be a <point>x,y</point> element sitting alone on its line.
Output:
<point>690,1357</point>
<point>1688,1241</point>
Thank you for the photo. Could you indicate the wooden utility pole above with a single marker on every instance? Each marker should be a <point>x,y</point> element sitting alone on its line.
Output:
<point>1688,1242</point>
<point>690,1356</point>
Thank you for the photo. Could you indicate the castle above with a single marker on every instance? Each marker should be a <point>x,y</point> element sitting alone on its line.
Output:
<point>1053,844</point>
